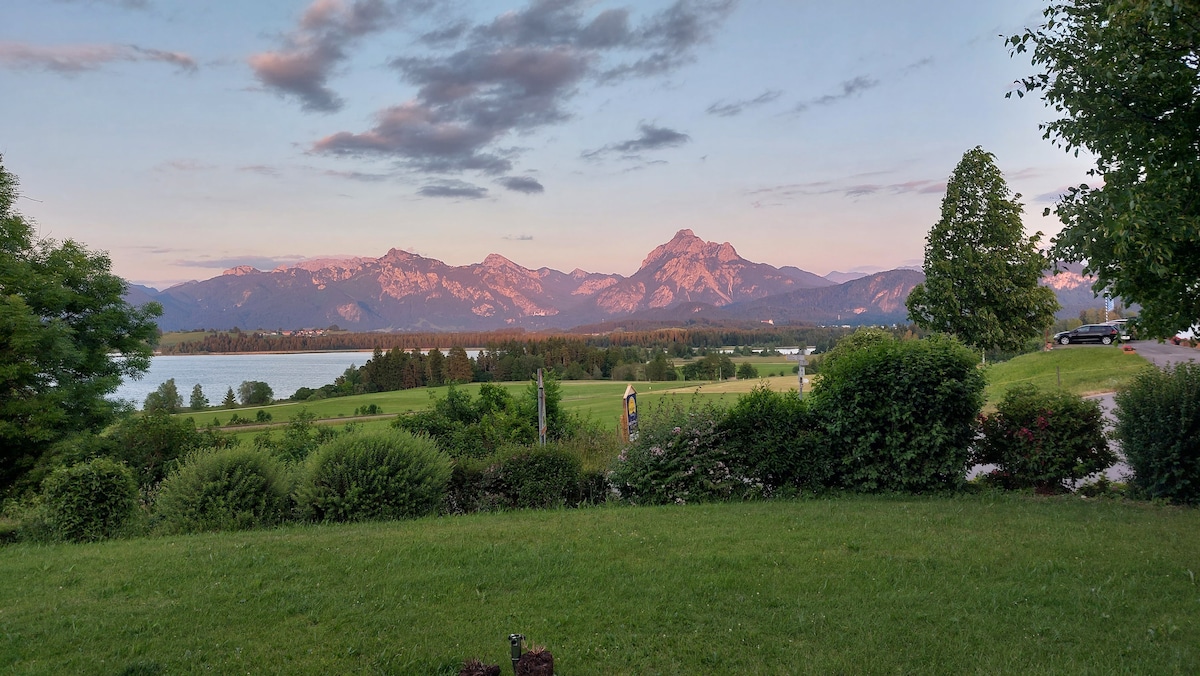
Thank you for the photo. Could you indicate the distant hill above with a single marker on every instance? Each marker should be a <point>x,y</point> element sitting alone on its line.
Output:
<point>843,277</point>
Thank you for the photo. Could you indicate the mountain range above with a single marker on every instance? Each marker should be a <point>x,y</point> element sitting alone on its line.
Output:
<point>686,278</point>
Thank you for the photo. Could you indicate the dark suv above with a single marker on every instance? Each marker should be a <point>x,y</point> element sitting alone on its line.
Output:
<point>1089,333</point>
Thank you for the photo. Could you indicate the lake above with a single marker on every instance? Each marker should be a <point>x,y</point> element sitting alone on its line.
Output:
<point>216,373</point>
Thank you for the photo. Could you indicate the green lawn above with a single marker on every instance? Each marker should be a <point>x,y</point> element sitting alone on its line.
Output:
<point>971,584</point>
<point>1082,370</point>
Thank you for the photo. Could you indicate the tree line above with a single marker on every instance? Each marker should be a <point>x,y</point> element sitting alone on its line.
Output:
<point>676,342</point>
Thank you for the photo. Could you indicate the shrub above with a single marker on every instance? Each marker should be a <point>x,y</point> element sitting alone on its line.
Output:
<point>230,489</point>
<point>152,443</point>
<point>900,415</point>
<point>300,437</point>
<point>774,438</point>
<point>679,456</point>
<point>523,477</point>
<point>1158,426</point>
<point>535,477</point>
<point>1044,440</point>
<point>467,428</point>
<point>373,475</point>
<point>90,501</point>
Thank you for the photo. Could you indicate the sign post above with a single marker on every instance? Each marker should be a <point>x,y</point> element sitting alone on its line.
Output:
<point>629,413</point>
<point>801,363</point>
<point>541,409</point>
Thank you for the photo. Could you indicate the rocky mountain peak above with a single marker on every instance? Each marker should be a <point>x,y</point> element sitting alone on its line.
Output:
<point>497,261</point>
<point>241,270</point>
<point>685,244</point>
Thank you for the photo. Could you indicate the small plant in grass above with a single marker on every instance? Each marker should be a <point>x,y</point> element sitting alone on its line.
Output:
<point>90,501</point>
<point>680,456</point>
<point>229,489</point>
<point>1158,425</point>
<point>373,475</point>
<point>1047,440</point>
<point>476,667</point>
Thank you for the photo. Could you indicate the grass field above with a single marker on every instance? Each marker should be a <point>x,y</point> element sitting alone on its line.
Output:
<point>599,399</point>
<point>971,584</point>
<point>1083,370</point>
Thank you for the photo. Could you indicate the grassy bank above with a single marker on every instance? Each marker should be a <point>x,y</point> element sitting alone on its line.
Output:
<point>1081,369</point>
<point>991,584</point>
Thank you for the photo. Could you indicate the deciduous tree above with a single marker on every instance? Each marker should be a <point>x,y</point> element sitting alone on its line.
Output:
<point>254,393</point>
<point>1125,76</point>
<point>67,337</point>
<point>981,270</point>
<point>166,398</point>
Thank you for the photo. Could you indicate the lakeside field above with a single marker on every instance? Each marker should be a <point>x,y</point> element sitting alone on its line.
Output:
<point>984,583</point>
<point>1080,370</point>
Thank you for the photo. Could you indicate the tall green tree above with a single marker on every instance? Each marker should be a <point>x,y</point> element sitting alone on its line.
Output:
<point>166,398</point>
<point>230,401</point>
<point>458,366</point>
<point>198,402</point>
<point>1125,76</point>
<point>981,270</point>
<point>67,337</point>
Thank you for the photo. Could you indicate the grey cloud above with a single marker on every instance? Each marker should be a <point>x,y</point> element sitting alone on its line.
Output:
<point>127,4</point>
<point>453,189</point>
<point>852,190</point>
<point>327,28</point>
<point>257,262</point>
<point>74,59</point>
<point>1052,197</point>
<point>917,65</point>
<point>185,165</point>
<point>651,138</point>
<point>261,169</point>
<point>670,37</point>
<point>523,184</point>
<point>518,238</point>
<point>356,175</point>
<point>515,73</point>
<point>849,88</point>
<point>731,108</point>
<point>446,34</point>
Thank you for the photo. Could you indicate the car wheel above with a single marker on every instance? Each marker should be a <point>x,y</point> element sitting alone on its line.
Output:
<point>1107,340</point>
<point>1064,340</point>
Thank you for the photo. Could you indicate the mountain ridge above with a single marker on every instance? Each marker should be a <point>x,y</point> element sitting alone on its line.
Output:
<point>685,277</point>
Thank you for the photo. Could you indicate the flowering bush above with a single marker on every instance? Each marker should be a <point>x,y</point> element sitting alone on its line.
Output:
<point>1044,440</point>
<point>679,457</point>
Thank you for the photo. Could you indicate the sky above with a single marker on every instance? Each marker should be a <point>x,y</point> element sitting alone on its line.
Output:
<point>185,138</point>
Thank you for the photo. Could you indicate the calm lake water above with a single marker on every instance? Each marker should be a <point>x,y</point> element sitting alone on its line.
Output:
<point>216,373</point>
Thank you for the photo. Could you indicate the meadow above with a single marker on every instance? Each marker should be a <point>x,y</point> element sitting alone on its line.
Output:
<point>987,583</point>
<point>1080,370</point>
